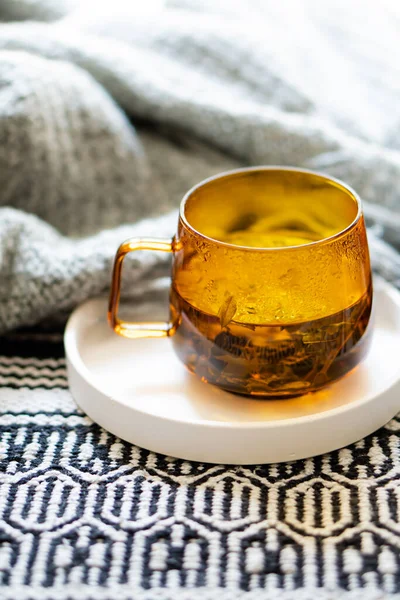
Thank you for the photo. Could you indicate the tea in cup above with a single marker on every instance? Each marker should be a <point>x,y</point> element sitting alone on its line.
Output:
<point>271,287</point>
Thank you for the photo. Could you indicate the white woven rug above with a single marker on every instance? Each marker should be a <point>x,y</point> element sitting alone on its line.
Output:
<point>84,515</point>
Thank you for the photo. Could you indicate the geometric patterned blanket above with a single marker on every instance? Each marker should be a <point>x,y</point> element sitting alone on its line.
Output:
<point>85,515</point>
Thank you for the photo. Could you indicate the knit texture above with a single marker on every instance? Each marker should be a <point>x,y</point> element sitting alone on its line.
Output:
<point>109,112</point>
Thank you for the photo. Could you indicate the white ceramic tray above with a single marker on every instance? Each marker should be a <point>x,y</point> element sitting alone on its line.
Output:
<point>138,390</point>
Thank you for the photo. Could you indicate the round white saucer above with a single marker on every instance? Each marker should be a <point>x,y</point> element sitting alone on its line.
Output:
<point>139,390</point>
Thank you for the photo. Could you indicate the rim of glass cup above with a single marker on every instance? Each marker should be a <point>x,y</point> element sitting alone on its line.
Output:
<point>332,180</point>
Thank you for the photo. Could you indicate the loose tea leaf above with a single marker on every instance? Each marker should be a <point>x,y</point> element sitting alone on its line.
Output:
<point>270,360</point>
<point>227,311</point>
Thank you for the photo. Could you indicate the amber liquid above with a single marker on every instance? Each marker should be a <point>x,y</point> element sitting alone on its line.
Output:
<point>271,360</point>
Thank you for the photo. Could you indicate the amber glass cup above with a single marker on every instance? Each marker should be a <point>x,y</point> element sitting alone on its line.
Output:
<point>271,283</point>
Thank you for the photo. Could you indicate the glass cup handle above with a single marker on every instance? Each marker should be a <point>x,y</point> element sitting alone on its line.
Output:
<point>125,328</point>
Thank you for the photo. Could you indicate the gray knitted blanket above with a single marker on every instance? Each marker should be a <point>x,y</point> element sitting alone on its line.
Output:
<point>109,112</point>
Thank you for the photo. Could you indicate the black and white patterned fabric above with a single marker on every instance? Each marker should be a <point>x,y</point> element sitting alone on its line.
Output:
<point>85,516</point>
